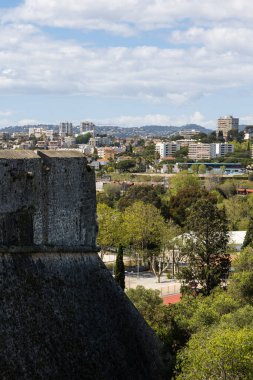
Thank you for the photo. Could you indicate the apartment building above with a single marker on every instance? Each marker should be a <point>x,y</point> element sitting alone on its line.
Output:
<point>100,141</point>
<point>220,150</point>
<point>86,126</point>
<point>65,129</point>
<point>200,151</point>
<point>167,149</point>
<point>226,124</point>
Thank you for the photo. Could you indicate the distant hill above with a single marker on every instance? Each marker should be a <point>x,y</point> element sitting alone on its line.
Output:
<point>149,130</point>
<point>123,132</point>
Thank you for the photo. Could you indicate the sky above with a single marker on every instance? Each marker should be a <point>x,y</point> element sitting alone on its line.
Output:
<point>126,63</point>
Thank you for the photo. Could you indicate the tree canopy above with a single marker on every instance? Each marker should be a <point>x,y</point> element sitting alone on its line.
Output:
<point>120,268</point>
<point>205,246</point>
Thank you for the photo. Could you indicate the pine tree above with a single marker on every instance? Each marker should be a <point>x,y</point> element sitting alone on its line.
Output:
<point>120,268</point>
<point>249,234</point>
<point>205,246</point>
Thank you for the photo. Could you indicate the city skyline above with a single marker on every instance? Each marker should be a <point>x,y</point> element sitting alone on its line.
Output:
<point>128,64</point>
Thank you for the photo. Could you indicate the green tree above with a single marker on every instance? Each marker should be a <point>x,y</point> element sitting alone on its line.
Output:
<point>202,169</point>
<point>142,225</point>
<point>120,268</point>
<point>109,225</point>
<point>145,193</point>
<point>184,198</point>
<point>160,319</point>
<point>146,301</point>
<point>244,261</point>
<point>83,139</point>
<point>149,153</point>
<point>205,246</point>
<point>224,354</point>
<point>195,168</point>
<point>167,255</point>
<point>110,195</point>
<point>125,165</point>
<point>184,180</point>
<point>241,285</point>
<point>249,234</point>
<point>237,212</point>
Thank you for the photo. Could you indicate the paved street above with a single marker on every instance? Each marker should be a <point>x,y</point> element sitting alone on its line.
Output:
<point>149,281</point>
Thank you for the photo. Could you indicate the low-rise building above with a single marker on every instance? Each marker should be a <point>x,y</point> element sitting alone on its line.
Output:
<point>188,134</point>
<point>106,152</point>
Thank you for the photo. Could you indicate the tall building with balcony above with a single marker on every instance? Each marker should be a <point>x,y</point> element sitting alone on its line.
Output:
<point>86,126</point>
<point>65,129</point>
<point>226,124</point>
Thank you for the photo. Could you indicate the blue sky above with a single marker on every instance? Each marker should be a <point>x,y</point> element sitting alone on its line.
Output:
<point>128,63</point>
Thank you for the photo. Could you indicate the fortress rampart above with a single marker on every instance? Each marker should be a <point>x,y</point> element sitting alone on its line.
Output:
<point>62,315</point>
<point>47,202</point>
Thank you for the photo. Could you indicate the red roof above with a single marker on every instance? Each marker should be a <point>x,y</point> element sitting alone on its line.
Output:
<point>172,298</point>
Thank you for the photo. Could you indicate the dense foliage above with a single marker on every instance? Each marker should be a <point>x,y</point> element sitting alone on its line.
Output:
<point>120,268</point>
<point>208,334</point>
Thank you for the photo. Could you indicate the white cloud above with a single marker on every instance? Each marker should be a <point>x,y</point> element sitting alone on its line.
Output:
<point>28,122</point>
<point>34,63</point>
<point>125,17</point>
<point>219,39</point>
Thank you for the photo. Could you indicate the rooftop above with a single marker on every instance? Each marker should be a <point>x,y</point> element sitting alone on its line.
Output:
<point>60,153</point>
<point>11,154</point>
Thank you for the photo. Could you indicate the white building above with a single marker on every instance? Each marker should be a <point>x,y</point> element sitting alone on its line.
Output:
<point>37,132</point>
<point>100,141</point>
<point>248,132</point>
<point>69,142</point>
<point>167,149</point>
<point>221,149</point>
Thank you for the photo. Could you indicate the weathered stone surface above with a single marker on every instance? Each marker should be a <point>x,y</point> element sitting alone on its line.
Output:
<point>63,316</point>
<point>47,202</point>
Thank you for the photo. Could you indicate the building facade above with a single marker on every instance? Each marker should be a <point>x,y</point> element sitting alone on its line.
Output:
<point>226,124</point>
<point>86,126</point>
<point>200,151</point>
<point>220,150</point>
<point>65,129</point>
<point>167,149</point>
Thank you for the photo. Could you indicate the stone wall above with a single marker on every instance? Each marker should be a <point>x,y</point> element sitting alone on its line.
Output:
<point>63,317</point>
<point>47,202</point>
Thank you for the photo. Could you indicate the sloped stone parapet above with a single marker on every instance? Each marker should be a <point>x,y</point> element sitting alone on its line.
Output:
<point>62,316</point>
